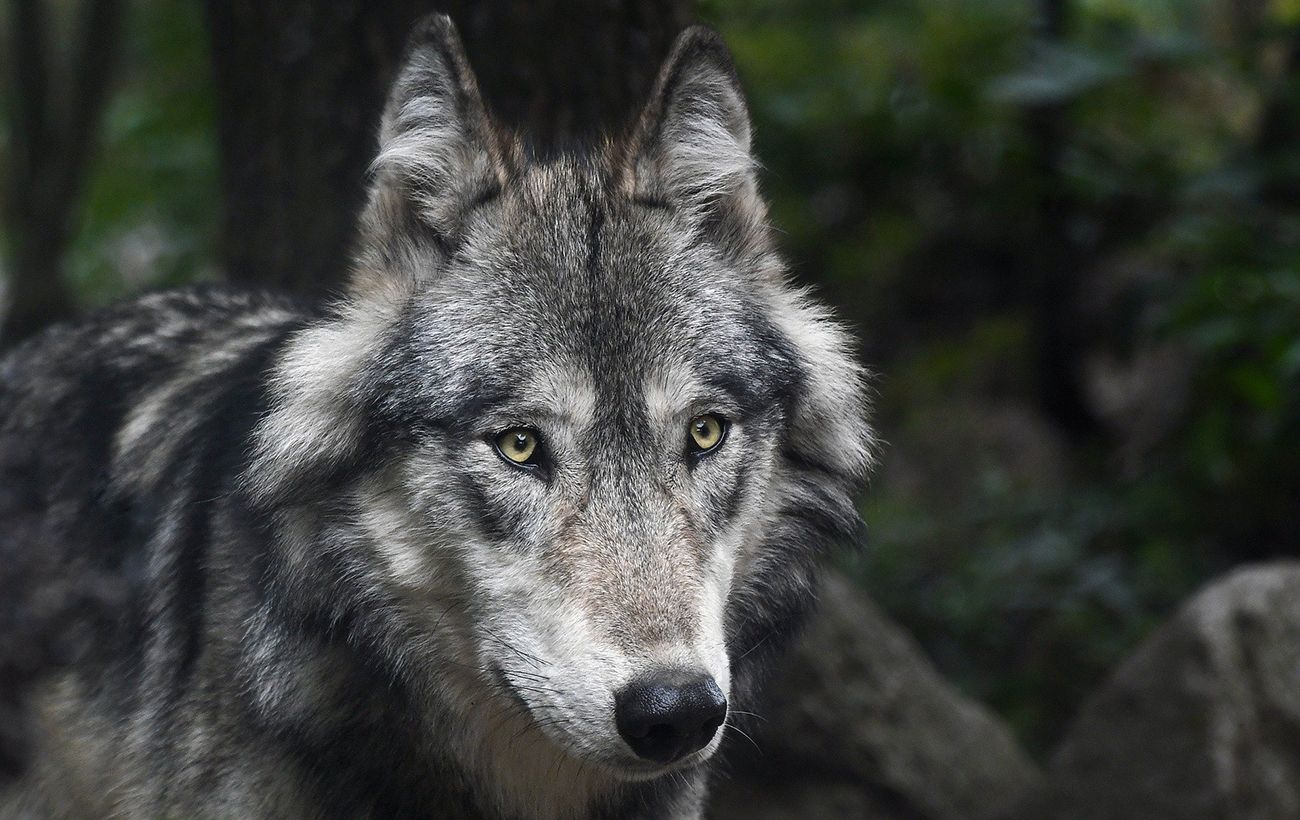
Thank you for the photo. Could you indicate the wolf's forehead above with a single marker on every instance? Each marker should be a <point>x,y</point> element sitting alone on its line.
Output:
<point>620,336</point>
<point>580,288</point>
<point>586,275</point>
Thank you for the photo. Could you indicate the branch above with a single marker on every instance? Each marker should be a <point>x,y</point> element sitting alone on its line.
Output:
<point>91,80</point>
<point>1278,123</point>
<point>28,123</point>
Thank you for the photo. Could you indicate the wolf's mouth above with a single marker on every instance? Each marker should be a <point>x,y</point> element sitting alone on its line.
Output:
<point>625,766</point>
<point>637,770</point>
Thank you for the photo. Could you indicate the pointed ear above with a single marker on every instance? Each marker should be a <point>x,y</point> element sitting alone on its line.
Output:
<point>439,151</point>
<point>691,145</point>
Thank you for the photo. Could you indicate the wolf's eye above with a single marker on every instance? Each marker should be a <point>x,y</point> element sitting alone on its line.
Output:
<point>519,445</point>
<point>707,432</point>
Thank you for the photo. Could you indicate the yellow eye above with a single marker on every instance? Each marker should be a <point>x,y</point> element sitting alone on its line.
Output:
<point>707,432</point>
<point>517,445</point>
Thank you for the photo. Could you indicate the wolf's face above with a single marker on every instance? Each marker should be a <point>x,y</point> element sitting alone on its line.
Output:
<point>604,401</point>
<point>571,438</point>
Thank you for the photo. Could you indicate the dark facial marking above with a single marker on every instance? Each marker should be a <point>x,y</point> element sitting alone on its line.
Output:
<point>494,522</point>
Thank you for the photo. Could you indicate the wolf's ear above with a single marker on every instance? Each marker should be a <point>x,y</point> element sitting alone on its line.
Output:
<point>691,145</point>
<point>439,151</point>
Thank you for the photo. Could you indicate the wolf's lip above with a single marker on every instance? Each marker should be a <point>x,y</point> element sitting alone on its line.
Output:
<point>627,767</point>
<point>639,770</point>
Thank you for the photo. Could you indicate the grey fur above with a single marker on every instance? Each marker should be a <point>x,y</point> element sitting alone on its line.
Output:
<point>341,601</point>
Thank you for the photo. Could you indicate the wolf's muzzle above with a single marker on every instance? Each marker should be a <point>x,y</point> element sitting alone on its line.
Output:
<point>669,715</point>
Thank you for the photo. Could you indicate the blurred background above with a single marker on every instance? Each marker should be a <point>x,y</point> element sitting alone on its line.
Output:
<point>1066,231</point>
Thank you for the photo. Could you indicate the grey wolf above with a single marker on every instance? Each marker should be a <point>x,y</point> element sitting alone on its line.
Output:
<point>511,529</point>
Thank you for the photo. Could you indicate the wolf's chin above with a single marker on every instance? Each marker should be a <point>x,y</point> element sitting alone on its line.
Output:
<point>632,770</point>
<point>651,771</point>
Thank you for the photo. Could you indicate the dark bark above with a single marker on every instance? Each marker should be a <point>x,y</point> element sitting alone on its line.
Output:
<point>300,86</point>
<point>1279,123</point>
<point>55,130</point>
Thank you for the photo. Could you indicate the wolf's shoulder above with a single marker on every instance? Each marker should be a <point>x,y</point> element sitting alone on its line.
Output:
<point>147,336</point>
<point>138,375</point>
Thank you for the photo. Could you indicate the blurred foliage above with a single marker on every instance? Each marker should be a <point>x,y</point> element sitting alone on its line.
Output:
<point>927,160</point>
<point>957,177</point>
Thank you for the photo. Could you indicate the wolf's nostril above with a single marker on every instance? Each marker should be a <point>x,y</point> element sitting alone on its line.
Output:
<point>668,716</point>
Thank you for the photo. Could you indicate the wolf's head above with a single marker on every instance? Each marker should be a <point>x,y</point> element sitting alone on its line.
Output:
<point>571,445</point>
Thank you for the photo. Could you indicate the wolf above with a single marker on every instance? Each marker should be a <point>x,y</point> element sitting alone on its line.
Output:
<point>512,528</point>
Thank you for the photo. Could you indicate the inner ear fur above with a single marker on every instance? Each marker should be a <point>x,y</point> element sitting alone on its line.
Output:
<point>690,148</point>
<point>440,153</point>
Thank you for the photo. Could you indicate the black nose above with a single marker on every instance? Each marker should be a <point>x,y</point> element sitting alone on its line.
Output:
<point>668,716</point>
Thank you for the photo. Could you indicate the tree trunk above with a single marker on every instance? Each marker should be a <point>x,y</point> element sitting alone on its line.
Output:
<point>55,130</point>
<point>300,86</point>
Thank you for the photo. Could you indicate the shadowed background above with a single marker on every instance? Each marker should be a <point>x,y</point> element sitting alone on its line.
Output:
<point>1066,231</point>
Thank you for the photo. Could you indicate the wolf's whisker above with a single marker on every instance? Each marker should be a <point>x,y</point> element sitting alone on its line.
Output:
<point>744,734</point>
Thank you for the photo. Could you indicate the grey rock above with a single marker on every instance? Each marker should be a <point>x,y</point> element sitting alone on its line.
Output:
<point>862,725</point>
<point>1201,722</point>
